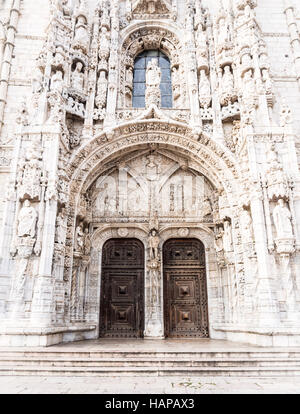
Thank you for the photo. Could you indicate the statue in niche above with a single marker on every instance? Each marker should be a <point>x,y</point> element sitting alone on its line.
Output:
<point>129,76</point>
<point>277,184</point>
<point>228,93</point>
<point>78,77</point>
<point>37,81</point>
<point>101,90</point>
<point>249,85</point>
<point>61,227</point>
<point>227,237</point>
<point>153,243</point>
<point>87,242</point>
<point>223,31</point>
<point>27,220</point>
<point>79,235</point>
<point>201,39</point>
<point>30,174</point>
<point>104,41</point>
<point>204,90</point>
<point>283,220</point>
<point>219,245</point>
<point>246,226</point>
<point>57,82</point>
<point>285,114</point>
<point>81,37</point>
<point>153,78</point>
<point>227,80</point>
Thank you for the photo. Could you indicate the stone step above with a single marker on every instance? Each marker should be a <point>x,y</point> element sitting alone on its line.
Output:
<point>148,362</point>
<point>152,371</point>
<point>150,354</point>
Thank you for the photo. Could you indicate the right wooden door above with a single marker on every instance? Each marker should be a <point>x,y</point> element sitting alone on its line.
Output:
<point>185,290</point>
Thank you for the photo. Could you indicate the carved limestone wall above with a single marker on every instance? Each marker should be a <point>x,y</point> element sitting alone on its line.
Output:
<point>81,165</point>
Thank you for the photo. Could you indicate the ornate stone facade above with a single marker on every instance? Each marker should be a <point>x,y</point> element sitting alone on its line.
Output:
<point>81,165</point>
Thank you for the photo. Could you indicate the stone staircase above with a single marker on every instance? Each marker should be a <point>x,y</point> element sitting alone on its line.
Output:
<point>265,363</point>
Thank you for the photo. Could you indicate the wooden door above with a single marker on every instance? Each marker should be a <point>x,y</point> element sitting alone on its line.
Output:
<point>122,290</point>
<point>185,292</point>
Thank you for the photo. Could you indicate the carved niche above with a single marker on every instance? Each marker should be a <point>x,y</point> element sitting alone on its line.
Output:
<point>152,38</point>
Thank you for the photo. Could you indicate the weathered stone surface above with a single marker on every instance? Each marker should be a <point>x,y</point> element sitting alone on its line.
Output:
<point>79,165</point>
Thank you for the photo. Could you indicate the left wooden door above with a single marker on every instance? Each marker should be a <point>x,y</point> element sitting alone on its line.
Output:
<point>122,289</point>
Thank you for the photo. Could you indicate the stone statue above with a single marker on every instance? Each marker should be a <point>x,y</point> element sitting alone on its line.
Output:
<point>246,226</point>
<point>153,78</point>
<point>81,37</point>
<point>153,74</point>
<point>227,237</point>
<point>37,81</point>
<point>79,242</point>
<point>228,95</point>
<point>249,85</point>
<point>153,244</point>
<point>61,225</point>
<point>223,32</point>
<point>101,90</point>
<point>283,220</point>
<point>57,82</point>
<point>204,90</point>
<point>129,76</point>
<point>78,77</point>
<point>227,80</point>
<point>87,242</point>
<point>219,246</point>
<point>285,114</point>
<point>155,279</point>
<point>201,38</point>
<point>27,220</point>
<point>104,40</point>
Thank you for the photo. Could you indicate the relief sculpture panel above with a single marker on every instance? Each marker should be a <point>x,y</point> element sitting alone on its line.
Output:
<point>153,182</point>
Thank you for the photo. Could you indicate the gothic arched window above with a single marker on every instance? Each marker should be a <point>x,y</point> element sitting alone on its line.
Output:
<point>139,78</point>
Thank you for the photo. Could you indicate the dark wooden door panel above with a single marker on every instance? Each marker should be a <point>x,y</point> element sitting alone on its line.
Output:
<point>185,295</point>
<point>122,298</point>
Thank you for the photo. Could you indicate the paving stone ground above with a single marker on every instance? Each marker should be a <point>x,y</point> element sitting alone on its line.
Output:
<point>147,385</point>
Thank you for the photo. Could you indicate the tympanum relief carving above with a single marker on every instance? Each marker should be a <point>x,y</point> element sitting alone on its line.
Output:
<point>153,182</point>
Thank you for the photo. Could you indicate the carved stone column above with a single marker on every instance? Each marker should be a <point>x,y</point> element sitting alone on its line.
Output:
<point>267,312</point>
<point>154,328</point>
<point>43,295</point>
